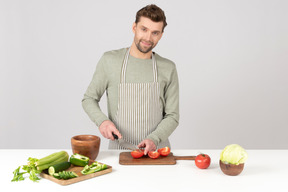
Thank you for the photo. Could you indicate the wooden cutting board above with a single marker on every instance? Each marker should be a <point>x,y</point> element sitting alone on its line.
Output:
<point>80,177</point>
<point>125,158</point>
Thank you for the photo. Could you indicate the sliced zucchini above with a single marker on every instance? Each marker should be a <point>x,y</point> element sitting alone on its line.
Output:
<point>58,167</point>
<point>65,175</point>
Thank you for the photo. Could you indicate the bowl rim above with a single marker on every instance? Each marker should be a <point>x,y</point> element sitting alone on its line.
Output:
<point>231,163</point>
<point>90,138</point>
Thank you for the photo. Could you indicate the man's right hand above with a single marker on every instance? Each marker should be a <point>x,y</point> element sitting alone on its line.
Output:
<point>107,127</point>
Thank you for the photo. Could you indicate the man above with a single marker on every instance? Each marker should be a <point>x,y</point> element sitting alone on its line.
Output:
<point>141,87</point>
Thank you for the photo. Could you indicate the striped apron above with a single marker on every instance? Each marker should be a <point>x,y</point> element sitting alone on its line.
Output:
<point>139,108</point>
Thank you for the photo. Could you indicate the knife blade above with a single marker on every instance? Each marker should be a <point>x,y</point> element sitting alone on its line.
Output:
<point>125,143</point>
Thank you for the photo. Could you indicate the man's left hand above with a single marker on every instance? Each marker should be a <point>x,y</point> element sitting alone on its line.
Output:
<point>148,145</point>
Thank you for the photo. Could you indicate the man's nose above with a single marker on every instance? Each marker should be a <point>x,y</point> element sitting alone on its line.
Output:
<point>148,36</point>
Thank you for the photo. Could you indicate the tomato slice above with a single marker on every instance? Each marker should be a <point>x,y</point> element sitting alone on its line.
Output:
<point>164,151</point>
<point>137,153</point>
<point>153,154</point>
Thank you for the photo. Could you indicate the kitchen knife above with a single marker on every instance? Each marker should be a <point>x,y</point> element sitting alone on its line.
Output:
<point>125,143</point>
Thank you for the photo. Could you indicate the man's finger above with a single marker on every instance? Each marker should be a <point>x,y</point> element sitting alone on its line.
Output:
<point>116,132</point>
<point>141,145</point>
<point>146,151</point>
<point>110,136</point>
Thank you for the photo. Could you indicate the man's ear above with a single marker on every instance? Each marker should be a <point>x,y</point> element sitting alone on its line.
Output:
<point>134,27</point>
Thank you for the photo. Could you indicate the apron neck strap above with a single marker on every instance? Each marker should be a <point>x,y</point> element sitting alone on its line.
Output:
<point>124,67</point>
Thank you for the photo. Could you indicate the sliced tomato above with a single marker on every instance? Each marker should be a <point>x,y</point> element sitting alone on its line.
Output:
<point>137,154</point>
<point>164,151</point>
<point>143,152</point>
<point>153,154</point>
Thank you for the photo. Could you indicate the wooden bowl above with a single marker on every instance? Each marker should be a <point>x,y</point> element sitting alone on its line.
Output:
<point>230,169</point>
<point>87,145</point>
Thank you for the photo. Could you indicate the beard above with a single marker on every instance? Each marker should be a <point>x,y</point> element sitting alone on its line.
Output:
<point>144,49</point>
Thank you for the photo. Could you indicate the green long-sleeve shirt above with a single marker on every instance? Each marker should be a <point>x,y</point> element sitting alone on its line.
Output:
<point>107,78</point>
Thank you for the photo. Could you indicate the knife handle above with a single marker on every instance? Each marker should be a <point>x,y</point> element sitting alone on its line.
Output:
<point>185,157</point>
<point>115,136</point>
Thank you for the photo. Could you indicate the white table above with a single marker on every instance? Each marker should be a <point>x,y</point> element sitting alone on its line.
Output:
<point>265,170</point>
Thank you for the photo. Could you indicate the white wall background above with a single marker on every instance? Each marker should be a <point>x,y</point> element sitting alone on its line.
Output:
<point>232,59</point>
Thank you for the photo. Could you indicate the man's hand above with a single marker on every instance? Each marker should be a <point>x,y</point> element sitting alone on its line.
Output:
<point>107,127</point>
<point>148,145</point>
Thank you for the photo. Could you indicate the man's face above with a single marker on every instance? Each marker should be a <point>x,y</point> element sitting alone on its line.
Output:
<point>147,34</point>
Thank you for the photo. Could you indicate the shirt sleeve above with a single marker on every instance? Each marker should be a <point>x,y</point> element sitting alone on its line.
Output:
<point>94,92</point>
<point>171,111</point>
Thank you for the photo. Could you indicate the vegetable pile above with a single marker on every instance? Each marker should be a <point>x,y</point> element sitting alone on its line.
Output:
<point>57,165</point>
<point>36,166</point>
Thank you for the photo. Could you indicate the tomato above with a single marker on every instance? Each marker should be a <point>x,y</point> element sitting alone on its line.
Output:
<point>153,154</point>
<point>137,153</point>
<point>202,161</point>
<point>164,151</point>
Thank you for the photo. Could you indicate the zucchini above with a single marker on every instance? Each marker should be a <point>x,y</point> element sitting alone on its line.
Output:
<point>65,175</point>
<point>58,167</point>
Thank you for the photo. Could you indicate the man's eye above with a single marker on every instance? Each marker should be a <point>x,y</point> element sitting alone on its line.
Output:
<point>144,29</point>
<point>155,33</point>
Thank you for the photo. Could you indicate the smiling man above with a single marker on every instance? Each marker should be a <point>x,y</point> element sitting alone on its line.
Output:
<point>141,87</point>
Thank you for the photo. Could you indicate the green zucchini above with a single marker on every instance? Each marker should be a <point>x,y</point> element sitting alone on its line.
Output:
<point>65,175</point>
<point>58,167</point>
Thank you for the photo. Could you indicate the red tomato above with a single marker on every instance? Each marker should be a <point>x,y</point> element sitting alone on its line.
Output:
<point>202,161</point>
<point>153,154</point>
<point>137,154</point>
<point>164,151</point>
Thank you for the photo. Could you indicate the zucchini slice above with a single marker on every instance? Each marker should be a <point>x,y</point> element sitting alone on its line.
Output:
<point>58,167</point>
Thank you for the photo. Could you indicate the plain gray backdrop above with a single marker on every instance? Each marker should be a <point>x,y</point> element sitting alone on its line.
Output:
<point>231,56</point>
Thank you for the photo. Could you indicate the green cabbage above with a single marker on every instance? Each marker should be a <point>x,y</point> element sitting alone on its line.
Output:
<point>233,154</point>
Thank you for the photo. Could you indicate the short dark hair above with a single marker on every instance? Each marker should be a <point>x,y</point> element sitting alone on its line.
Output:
<point>152,12</point>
